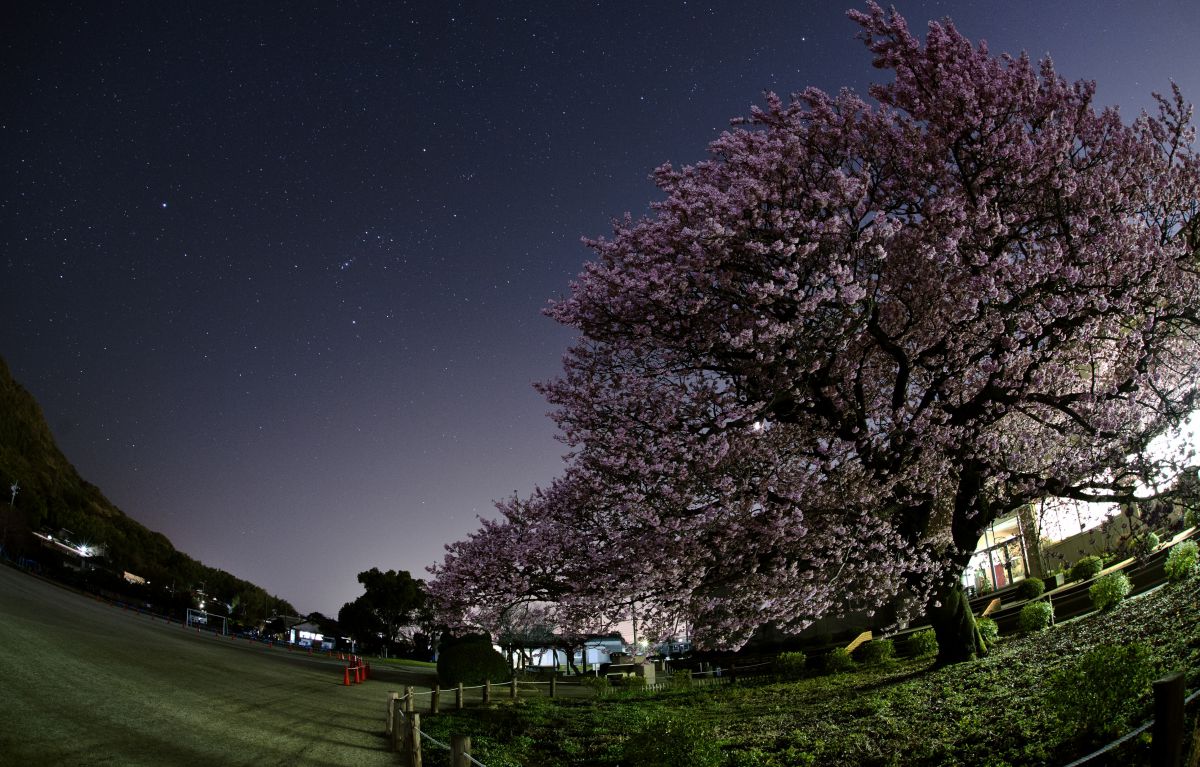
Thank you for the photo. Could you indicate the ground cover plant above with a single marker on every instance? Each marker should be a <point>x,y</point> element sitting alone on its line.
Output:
<point>999,710</point>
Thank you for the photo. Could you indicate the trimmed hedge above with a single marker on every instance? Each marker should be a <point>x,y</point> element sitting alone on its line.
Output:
<point>1086,568</point>
<point>838,660</point>
<point>1035,616</point>
<point>1109,590</point>
<point>1030,588</point>
<point>471,662</point>
<point>921,644</point>
<point>790,665</point>
<point>875,652</point>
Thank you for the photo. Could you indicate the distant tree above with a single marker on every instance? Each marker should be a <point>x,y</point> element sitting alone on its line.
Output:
<point>860,333</point>
<point>393,607</point>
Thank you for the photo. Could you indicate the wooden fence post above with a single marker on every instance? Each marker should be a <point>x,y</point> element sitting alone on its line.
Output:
<point>1166,742</point>
<point>487,691</point>
<point>434,701</point>
<point>553,685</point>
<point>414,740</point>
<point>391,711</point>
<point>458,697</point>
<point>408,700</point>
<point>460,749</point>
<point>512,691</point>
<point>398,726</point>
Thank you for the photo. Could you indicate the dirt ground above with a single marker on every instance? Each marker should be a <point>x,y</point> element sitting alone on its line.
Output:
<point>85,683</point>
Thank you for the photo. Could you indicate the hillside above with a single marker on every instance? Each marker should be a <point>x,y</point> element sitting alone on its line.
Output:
<point>54,496</point>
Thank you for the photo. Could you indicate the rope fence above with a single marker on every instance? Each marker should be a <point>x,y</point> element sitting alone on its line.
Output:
<point>404,730</point>
<point>1168,723</point>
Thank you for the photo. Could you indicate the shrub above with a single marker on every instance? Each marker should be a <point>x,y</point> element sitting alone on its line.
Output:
<point>600,683</point>
<point>1035,616</point>
<point>1181,562</point>
<point>680,678</point>
<point>674,740</point>
<point>1088,567</point>
<point>1147,544</point>
<point>790,665</point>
<point>921,644</point>
<point>471,662</point>
<point>838,660</point>
<point>1191,518</point>
<point>989,630</point>
<point>1101,693</point>
<point>1109,590</point>
<point>876,652</point>
<point>1030,588</point>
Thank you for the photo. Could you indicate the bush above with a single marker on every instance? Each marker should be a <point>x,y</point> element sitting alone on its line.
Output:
<point>1035,616</point>
<point>1030,588</point>
<point>471,662</point>
<point>989,630</point>
<point>1101,693</point>
<point>1147,544</point>
<point>1109,590</point>
<point>674,740</point>
<point>838,660</point>
<point>921,644</point>
<point>790,665</point>
<point>1181,562</point>
<point>1191,518</point>
<point>600,683</point>
<point>876,652</point>
<point>1088,567</point>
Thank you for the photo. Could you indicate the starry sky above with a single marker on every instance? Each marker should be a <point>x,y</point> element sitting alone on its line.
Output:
<point>276,275</point>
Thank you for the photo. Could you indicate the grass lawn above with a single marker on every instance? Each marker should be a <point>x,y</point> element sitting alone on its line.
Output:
<point>84,683</point>
<point>992,712</point>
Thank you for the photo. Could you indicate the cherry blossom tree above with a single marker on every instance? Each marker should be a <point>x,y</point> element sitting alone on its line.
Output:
<point>858,334</point>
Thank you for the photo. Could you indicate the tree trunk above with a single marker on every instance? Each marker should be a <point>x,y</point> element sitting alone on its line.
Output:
<point>949,613</point>
<point>958,635</point>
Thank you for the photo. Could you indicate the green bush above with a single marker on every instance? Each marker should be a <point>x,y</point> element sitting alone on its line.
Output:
<point>1109,590</point>
<point>600,683</point>
<point>838,660</point>
<point>674,740</point>
<point>1147,544</point>
<point>1088,567</point>
<point>1191,518</point>
<point>790,665</point>
<point>1030,588</point>
<point>1102,692</point>
<point>1181,562</point>
<point>471,662</point>
<point>988,629</point>
<point>1035,616</point>
<point>876,652</point>
<point>921,644</point>
<point>680,678</point>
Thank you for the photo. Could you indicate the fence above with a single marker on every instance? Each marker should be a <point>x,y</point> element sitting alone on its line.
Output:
<point>405,733</point>
<point>1168,726</point>
<point>403,722</point>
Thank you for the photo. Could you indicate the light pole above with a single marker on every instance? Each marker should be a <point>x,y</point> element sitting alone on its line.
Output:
<point>15,488</point>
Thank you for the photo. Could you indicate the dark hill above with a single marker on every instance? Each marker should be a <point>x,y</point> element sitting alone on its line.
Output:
<point>54,497</point>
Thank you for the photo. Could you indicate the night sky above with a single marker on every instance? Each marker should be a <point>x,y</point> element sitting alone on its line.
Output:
<point>276,276</point>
